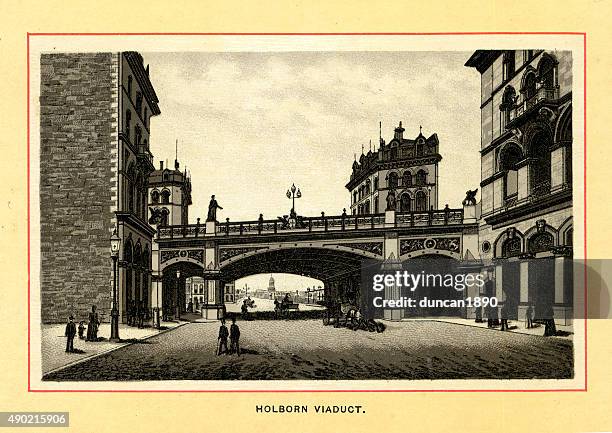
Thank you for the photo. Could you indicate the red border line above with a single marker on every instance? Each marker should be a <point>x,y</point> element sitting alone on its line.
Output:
<point>313,34</point>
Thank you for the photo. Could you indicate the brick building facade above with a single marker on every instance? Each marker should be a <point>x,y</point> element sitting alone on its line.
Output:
<point>94,161</point>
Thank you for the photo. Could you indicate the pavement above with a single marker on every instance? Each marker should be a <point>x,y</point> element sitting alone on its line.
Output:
<point>564,331</point>
<point>306,349</point>
<point>54,343</point>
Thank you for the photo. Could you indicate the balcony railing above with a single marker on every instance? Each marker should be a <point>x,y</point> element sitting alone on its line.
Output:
<point>542,94</point>
<point>316,224</point>
<point>143,151</point>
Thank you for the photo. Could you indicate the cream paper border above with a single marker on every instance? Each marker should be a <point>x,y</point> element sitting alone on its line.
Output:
<point>271,43</point>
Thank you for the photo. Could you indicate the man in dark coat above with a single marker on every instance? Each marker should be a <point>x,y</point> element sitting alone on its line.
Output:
<point>234,337</point>
<point>70,333</point>
<point>222,338</point>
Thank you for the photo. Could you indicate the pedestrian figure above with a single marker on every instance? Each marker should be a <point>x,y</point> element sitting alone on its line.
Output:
<point>92,325</point>
<point>504,318</point>
<point>141,314</point>
<point>81,330</point>
<point>70,333</point>
<point>529,316</point>
<point>245,310</point>
<point>222,339</point>
<point>234,337</point>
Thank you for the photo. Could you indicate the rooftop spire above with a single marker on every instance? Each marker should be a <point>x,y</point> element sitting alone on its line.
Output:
<point>176,163</point>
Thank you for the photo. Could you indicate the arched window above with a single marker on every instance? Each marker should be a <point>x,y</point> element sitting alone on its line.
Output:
<point>366,207</point>
<point>137,254</point>
<point>368,187</point>
<point>507,105</point>
<point>407,178</point>
<point>405,203</point>
<point>511,247</point>
<point>541,242</point>
<point>509,157</point>
<point>421,177</point>
<point>529,85</point>
<point>354,196</point>
<point>155,197</point>
<point>546,71</point>
<point>376,205</point>
<point>420,201</point>
<point>394,152</point>
<point>392,180</point>
<point>165,197</point>
<point>375,184</point>
<point>127,252</point>
<point>146,258</point>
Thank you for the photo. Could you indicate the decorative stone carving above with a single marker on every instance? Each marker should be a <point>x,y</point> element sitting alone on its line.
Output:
<point>197,255</point>
<point>451,244</point>
<point>228,253</point>
<point>168,255</point>
<point>370,247</point>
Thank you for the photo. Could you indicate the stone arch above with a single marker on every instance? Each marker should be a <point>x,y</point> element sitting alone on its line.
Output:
<point>128,252</point>
<point>500,244</point>
<point>429,252</point>
<point>528,82</point>
<point>165,196</point>
<point>563,128</point>
<point>155,196</point>
<point>250,251</point>
<point>547,70</point>
<point>405,202</point>
<point>565,232</point>
<point>177,260</point>
<point>509,154</point>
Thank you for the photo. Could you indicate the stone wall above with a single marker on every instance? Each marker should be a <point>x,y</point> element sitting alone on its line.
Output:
<point>78,134</point>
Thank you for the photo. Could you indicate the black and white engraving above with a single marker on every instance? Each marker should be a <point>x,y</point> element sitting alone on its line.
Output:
<point>248,266</point>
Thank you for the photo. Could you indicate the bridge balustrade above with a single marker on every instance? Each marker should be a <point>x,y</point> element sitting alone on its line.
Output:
<point>316,224</point>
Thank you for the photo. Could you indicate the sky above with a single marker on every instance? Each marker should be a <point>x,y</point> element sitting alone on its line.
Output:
<point>249,125</point>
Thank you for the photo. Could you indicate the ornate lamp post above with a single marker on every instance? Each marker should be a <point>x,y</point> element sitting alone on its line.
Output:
<point>115,242</point>
<point>293,193</point>
<point>177,312</point>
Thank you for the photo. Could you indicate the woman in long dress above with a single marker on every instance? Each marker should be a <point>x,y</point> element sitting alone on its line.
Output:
<point>92,325</point>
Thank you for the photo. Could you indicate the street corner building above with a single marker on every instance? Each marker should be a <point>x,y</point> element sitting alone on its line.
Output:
<point>526,226</point>
<point>95,163</point>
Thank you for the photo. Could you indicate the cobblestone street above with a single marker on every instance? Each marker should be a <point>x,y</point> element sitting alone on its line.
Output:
<point>305,349</point>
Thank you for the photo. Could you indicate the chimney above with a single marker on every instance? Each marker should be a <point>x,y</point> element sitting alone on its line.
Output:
<point>399,132</point>
<point>161,165</point>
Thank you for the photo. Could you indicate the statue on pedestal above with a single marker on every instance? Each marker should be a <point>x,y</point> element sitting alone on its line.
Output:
<point>212,209</point>
<point>470,198</point>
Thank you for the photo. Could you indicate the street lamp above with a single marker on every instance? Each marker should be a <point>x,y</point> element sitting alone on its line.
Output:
<point>115,242</point>
<point>177,312</point>
<point>293,193</point>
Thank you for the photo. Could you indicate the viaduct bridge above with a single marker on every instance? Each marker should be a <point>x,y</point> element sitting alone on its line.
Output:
<point>328,248</point>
